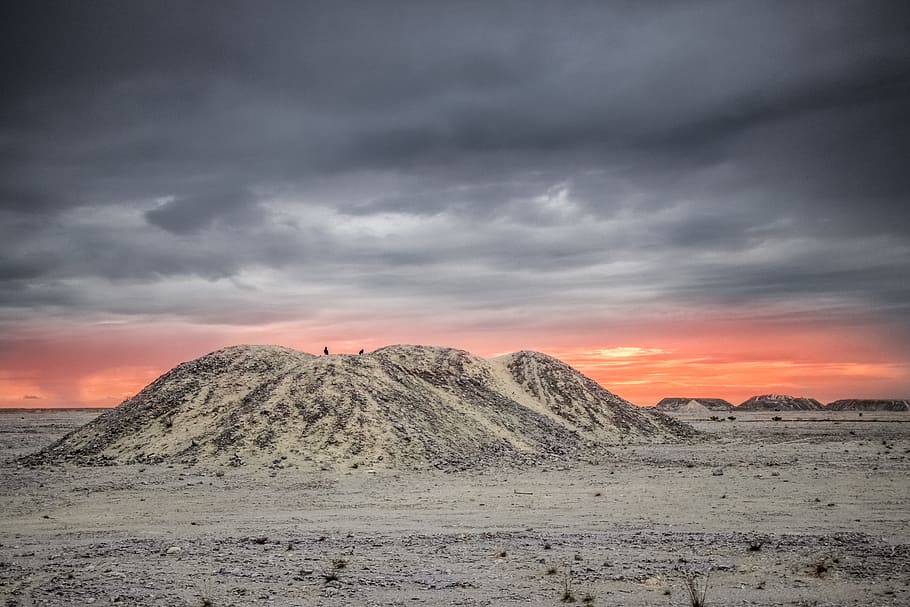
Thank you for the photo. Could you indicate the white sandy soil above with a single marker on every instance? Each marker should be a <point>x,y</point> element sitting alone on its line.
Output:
<point>822,496</point>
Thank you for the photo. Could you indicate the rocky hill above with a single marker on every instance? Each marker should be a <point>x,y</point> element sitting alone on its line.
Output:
<point>397,406</point>
<point>780,402</point>
<point>869,404</point>
<point>679,402</point>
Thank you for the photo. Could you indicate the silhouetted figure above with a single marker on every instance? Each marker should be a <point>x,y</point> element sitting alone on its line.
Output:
<point>361,351</point>
<point>325,350</point>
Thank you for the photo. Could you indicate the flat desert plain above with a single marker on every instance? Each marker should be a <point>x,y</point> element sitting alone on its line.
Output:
<point>809,510</point>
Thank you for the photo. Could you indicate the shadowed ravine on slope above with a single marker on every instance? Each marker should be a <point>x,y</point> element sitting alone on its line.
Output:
<point>411,406</point>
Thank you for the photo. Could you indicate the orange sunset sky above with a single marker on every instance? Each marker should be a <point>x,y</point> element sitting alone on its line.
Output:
<point>101,364</point>
<point>703,199</point>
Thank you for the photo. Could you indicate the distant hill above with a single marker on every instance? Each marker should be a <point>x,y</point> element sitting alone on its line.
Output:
<point>869,404</point>
<point>780,402</point>
<point>679,402</point>
<point>411,406</point>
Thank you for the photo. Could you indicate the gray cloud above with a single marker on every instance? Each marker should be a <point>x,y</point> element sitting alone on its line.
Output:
<point>465,155</point>
<point>188,214</point>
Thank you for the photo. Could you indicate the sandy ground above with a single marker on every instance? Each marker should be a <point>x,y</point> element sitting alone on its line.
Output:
<point>823,498</point>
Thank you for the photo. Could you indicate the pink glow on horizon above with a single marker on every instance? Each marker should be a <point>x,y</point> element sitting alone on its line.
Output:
<point>100,365</point>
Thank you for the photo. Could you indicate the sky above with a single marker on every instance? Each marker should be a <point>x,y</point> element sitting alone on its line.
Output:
<point>694,198</point>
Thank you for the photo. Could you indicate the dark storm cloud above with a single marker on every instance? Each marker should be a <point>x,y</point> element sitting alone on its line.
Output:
<point>188,214</point>
<point>551,152</point>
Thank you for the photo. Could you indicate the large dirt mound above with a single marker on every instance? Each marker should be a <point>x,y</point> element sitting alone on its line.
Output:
<point>780,402</point>
<point>679,402</point>
<point>869,404</point>
<point>400,405</point>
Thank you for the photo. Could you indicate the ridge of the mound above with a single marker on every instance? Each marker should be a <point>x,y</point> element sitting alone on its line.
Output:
<point>401,405</point>
<point>677,402</point>
<point>869,404</point>
<point>779,402</point>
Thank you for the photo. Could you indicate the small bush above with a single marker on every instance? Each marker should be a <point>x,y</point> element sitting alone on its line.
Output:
<point>777,418</point>
<point>732,418</point>
<point>329,576</point>
<point>204,589</point>
<point>697,591</point>
<point>821,568</point>
<point>567,595</point>
<point>714,418</point>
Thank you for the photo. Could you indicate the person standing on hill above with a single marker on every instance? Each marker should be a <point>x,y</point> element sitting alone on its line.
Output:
<point>325,350</point>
